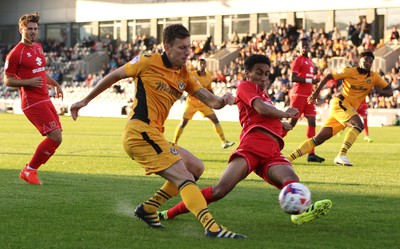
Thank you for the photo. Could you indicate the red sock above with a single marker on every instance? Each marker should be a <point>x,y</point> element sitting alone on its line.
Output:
<point>366,126</point>
<point>180,208</point>
<point>43,152</point>
<point>310,134</point>
<point>288,182</point>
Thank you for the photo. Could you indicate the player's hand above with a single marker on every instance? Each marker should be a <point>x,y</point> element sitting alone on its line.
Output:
<point>312,97</point>
<point>59,92</point>
<point>75,108</point>
<point>286,126</point>
<point>228,98</point>
<point>292,111</point>
<point>36,82</point>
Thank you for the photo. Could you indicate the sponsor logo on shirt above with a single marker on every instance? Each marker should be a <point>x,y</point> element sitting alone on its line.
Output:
<point>39,69</point>
<point>38,61</point>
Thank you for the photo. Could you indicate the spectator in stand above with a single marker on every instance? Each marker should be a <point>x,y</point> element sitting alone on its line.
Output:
<point>394,35</point>
<point>336,34</point>
<point>350,31</point>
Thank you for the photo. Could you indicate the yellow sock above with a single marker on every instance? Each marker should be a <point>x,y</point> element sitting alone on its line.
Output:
<point>303,149</point>
<point>178,133</point>
<point>197,205</point>
<point>166,192</point>
<point>220,132</point>
<point>349,140</point>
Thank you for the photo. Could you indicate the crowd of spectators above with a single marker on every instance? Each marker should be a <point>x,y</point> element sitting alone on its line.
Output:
<point>279,45</point>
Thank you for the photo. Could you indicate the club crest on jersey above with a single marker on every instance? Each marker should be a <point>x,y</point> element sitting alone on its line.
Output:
<point>181,86</point>
<point>28,54</point>
<point>173,151</point>
<point>368,80</point>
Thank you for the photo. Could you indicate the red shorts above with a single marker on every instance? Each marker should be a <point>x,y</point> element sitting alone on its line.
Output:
<point>44,117</point>
<point>363,110</point>
<point>305,109</point>
<point>260,152</point>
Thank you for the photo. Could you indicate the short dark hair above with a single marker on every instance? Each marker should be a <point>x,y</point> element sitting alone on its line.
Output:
<point>26,18</point>
<point>367,54</point>
<point>174,31</point>
<point>254,59</point>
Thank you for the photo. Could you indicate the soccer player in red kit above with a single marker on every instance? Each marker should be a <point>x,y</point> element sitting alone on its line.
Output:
<point>260,145</point>
<point>303,80</point>
<point>362,110</point>
<point>25,68</point>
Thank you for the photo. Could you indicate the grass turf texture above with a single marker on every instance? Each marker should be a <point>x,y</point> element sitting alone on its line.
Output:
<point>91,188</point>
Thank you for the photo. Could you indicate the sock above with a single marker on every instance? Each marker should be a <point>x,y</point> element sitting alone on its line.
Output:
<point>288,182</point>
<point>180,208</point>
<point>366,126</point>
<point>349,140</point>
<point>220,132</point>
<point>197,205</point>
<point>310,134</point>
<point>166,192</point>
<point>43,152</point>
<point>303,149</point>
<point>30,168</point>
<point>178,133</point>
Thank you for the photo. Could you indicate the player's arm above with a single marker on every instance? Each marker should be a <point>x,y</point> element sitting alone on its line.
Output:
<point>212,100</point>
<point>52,82</point>
<point>272,111</point>
<point>103,84</point>
<point>14,82</point>
<point>387,91</point>
<point>296,78</point>
<point>323,82</point>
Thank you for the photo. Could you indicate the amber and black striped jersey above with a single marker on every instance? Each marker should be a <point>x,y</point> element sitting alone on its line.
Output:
<point>356,86</point>
<point>157,87</point>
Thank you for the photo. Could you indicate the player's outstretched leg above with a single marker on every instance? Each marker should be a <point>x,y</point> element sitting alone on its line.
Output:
<point>315,211</point>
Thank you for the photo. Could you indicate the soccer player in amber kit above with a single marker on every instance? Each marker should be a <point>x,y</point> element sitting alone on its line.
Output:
<point>160,80</point>
<point>25,68</point>
<point>357,83</point>
<point>194,105</point>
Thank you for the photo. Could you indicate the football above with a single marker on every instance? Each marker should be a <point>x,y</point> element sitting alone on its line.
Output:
<point>295,198</point>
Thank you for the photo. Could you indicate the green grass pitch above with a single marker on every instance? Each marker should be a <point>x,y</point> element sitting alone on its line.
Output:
<point>91,188</point>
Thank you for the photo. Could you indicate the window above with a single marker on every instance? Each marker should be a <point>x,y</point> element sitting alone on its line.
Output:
<point>343,17</point>
<point>138,28</point>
